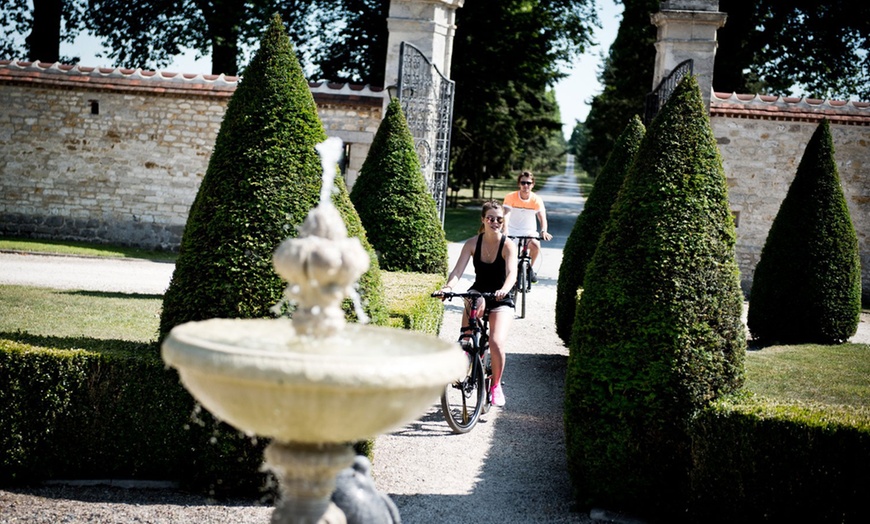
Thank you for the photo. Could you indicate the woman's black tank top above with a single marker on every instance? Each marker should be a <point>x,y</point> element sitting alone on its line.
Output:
<point>489,277</point>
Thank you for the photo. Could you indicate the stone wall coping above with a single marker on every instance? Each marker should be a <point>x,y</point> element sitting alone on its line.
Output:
<point>801,109</point>
<point>163,82</point>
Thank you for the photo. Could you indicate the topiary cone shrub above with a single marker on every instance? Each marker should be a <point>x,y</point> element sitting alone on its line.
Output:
<point>394,203</point>
<point>581,243</point>
<point>658,333</point>
<point>263,178</point>
<point>807,284</point>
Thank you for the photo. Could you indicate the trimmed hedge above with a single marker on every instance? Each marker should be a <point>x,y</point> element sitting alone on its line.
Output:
<point>112,410</point>
<point>581,243</point>
<point>756,460</point>
<point>85,408</point>
<point>807,284</point>
<point>658,333</point>
<point>410,309</point>
<point>263,178</point>
<point>394,202</point>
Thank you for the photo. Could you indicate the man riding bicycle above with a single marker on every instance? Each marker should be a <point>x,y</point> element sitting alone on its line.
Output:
<point>523,209</point>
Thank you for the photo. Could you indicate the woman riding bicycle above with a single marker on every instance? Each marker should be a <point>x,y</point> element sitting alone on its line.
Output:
<point>495,269</point>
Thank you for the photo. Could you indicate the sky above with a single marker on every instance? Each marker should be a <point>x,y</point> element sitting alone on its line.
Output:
<point>576,91</point>
<point>573,93</point>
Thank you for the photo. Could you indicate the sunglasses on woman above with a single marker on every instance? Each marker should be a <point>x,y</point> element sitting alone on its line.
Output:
<point>495,219</point>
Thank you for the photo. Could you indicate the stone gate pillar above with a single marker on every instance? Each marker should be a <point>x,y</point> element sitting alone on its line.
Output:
<point>427,24</point>
<point>687,29</point>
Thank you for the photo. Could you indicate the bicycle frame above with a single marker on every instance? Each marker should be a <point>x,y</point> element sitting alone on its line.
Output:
<point>466,399</point>
<point>524,267</point>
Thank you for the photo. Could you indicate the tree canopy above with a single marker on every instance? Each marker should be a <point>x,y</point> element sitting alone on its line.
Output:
<point>506,56</point>
<point>780,47</point>
<point>626,77</point>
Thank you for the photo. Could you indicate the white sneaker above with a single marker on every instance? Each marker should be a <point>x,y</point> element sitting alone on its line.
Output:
<point>497,396</point>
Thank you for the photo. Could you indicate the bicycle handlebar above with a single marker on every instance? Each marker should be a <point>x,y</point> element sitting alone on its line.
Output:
<point>518,239</point>
<point>468,294</point>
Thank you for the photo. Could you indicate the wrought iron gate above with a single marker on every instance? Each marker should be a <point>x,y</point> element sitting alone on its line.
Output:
<point>659,96</point>
<point>426,97</point>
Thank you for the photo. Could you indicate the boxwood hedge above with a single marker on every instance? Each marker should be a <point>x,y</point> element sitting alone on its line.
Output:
<point>394,202</point>
<point>658,332</point>
<point>263,178</point>
<point>581,243</point>
<point>807,284</point>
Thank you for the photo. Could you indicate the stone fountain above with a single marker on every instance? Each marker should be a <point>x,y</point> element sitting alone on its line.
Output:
<point>312,384</point>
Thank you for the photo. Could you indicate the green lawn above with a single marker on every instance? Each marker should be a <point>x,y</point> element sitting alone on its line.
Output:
<point>833,375</point>
<point>74,314</point>
<point>68,247</point>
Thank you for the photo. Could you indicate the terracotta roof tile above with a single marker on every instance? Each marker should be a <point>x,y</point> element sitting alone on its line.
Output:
<point>122,79</point>
<point>789,108</point>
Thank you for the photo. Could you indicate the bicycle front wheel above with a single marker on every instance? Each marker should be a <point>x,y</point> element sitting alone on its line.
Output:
<point>462,401</point>
<point>522,287</point>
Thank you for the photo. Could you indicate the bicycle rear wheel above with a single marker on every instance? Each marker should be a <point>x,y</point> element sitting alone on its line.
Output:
<point>462,401</point>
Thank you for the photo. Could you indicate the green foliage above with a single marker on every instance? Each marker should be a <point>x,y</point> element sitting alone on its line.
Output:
<point>761,460</point>
<point>626,78</point>
<point>506,55</point>
<point>358,50</point>
<point>581,243</point>
<point>394,203</point>
<point>263,178</point>
<point>579,137</point>
<point>807,284</point>
<point>75,407</point>
<point>764,48</point>
<point>658,333</point>
<point>112,410</point>
<point>410,304</point>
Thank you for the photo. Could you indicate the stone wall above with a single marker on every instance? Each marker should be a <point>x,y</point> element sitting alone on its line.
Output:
<point>116,156</point>
<point>762,140</point>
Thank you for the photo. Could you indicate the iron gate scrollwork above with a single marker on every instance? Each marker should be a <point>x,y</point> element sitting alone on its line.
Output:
<point>426,97</point>
<point>659,96</point>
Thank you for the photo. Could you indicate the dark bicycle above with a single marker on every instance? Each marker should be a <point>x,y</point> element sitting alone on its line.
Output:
<point>524,272</point>
<point>466,399</point>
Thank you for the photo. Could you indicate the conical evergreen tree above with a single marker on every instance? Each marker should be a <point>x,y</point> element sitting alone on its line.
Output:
<point>658,332</point>
<point>587,230</point>
<point>263,178</point>
<point>807,284</point>
<point>394,203</point>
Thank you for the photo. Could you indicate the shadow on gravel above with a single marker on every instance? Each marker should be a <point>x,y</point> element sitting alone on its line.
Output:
<point>429,425</point>
<point>528,452</point>
<point>132,495</point>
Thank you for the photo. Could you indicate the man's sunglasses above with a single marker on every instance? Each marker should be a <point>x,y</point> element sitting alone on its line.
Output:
<point>526,183</point>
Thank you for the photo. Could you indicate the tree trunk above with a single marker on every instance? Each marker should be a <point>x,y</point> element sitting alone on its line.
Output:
<point>222,18</point>
<point>43,42</point>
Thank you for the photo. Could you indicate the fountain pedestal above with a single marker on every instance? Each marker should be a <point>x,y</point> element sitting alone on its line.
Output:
<point>306,474</point>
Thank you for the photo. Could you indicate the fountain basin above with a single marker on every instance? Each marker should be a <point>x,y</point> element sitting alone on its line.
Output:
<point>261,377</point>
